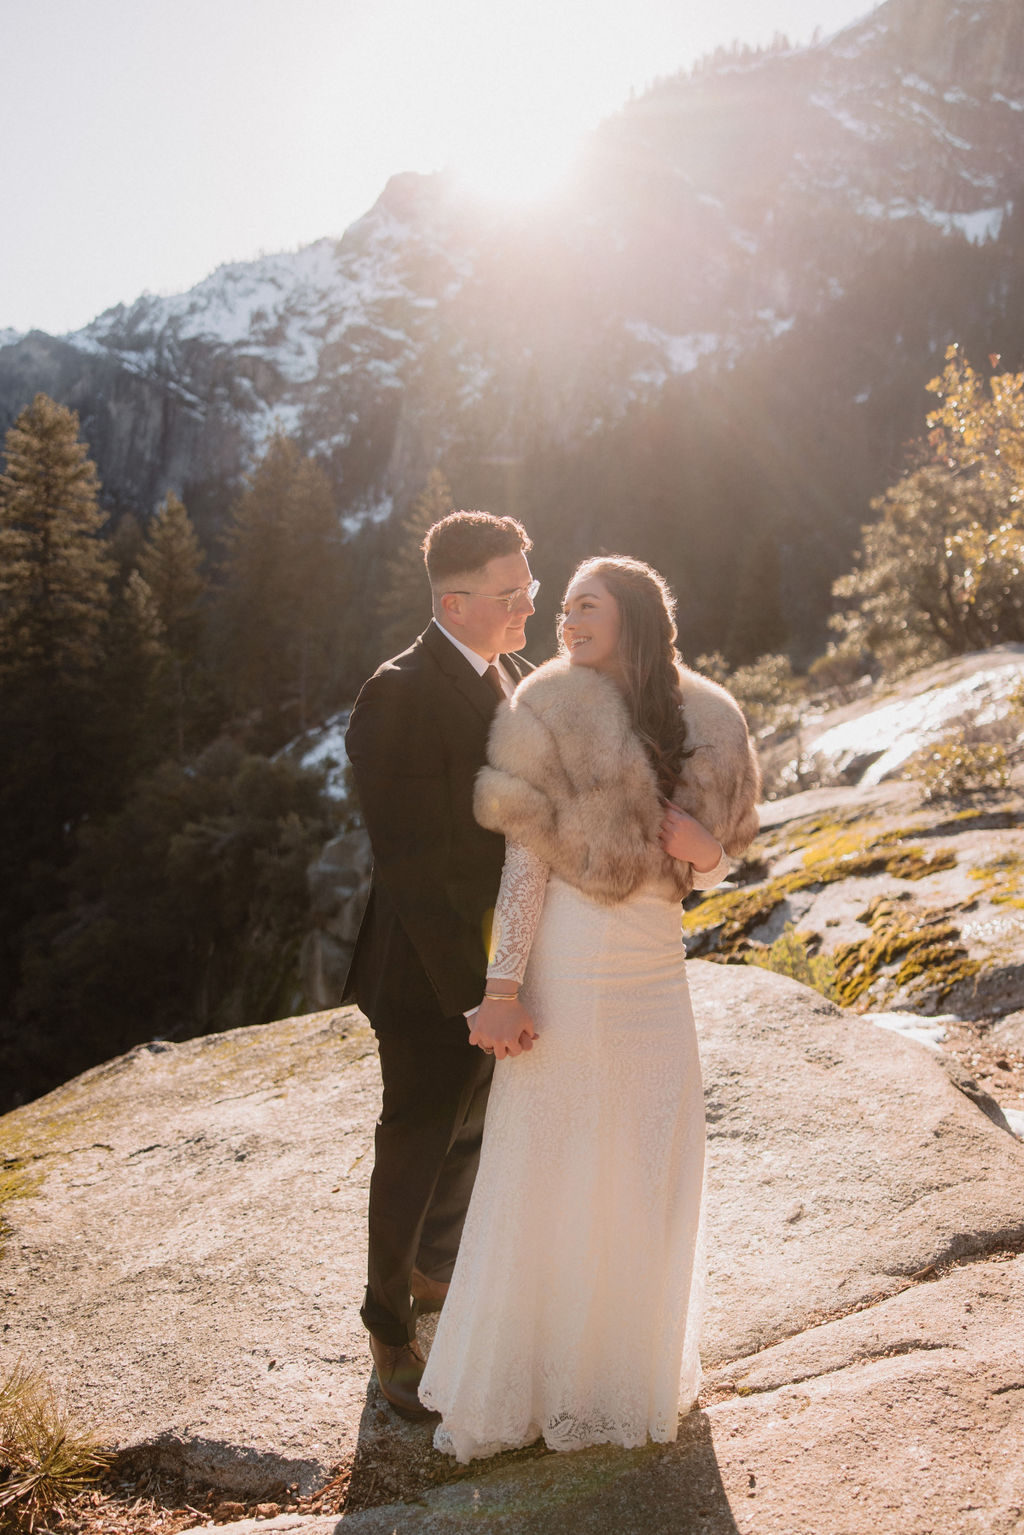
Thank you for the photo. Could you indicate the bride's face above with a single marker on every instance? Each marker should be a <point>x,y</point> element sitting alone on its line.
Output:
<point>591,625</point>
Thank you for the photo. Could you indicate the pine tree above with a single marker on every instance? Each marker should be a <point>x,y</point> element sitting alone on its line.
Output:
<point>170,564</point>
<point>54,570</point>
<point>756,625</point>
<point>55,574</point>
<point>404,607</point>
<point>285,590</point>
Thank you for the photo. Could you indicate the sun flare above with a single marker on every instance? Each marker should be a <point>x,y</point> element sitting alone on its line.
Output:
<point>520,167</point>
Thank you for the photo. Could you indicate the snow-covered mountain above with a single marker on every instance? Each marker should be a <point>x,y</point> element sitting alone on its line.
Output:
<point>825,219</point>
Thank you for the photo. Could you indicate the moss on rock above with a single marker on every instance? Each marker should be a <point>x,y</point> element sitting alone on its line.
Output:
<point>723,921</point>
<point>17,1181</point>
<point>1002,879</point>
<point>920,949</point>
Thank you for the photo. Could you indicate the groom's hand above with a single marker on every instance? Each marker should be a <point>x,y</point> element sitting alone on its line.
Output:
<point>504,1028</point>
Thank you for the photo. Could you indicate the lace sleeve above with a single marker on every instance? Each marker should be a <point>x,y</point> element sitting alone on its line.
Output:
<point>715,876</point>
<point>520,902</point>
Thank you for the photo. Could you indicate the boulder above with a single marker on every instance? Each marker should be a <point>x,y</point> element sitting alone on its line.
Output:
<point>921,905</point>
<point>872,738</point>
<point>339,882</point>
<point>184,1236</point>
<point>906,1419</point>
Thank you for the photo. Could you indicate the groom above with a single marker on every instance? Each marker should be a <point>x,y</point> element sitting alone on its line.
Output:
<point>417,737</point>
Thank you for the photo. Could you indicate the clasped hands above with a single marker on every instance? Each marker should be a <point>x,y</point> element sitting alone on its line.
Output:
<point>502,1028</point>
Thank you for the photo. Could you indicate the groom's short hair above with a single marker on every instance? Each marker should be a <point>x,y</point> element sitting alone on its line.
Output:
<point>465,541</point>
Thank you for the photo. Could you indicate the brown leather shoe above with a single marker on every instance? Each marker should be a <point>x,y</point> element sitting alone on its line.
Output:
<point>429,1292</point>
<point>399,1369</point>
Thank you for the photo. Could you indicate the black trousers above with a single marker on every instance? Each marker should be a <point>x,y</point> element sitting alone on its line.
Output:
<point>427,1146</point>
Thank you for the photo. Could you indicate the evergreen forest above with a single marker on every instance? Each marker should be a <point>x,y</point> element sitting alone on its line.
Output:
<point>156,688</point>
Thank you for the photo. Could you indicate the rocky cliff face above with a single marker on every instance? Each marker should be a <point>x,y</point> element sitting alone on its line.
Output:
<point>970,47</point>
<point>773,214</point>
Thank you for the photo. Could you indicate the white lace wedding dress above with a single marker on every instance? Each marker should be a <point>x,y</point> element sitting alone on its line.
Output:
<point>574,1309</point>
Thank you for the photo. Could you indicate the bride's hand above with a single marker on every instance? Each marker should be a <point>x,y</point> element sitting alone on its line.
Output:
<point>504,1028</point>
<point>683,837</point>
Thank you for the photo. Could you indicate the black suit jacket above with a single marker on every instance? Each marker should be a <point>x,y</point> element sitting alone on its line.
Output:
<point>416,740</point>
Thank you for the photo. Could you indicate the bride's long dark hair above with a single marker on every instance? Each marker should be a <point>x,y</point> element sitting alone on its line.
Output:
<point>648,658</point>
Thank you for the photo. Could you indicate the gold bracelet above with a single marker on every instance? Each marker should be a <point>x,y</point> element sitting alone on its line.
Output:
<point>502,996</point>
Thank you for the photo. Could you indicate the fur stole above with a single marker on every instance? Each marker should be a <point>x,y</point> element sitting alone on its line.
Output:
<point>569,779</point>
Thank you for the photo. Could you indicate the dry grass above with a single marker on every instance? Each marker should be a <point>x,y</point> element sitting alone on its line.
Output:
<point>47,1457</point>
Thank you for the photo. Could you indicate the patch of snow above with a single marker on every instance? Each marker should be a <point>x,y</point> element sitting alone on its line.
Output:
<point>680,354</point>
<point>912,1026</point>
<point>981,181</point>
<point>776,325</point>
<point>844,118</point>
<point>282,310</point>
<point>241,302</point>
<point>384,371</point>
<point>937,126</point>
<point>327,750</point>
<point>1014,106</point>
<point>366,511</point>
<point>900,729</point>
<point>982,225</point>
<point>283,417</point>
<point>474,377</point>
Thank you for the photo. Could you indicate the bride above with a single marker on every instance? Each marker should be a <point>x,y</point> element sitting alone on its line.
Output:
<point>621,781</point>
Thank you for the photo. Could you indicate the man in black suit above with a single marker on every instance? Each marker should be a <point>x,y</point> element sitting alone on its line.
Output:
<point>416,739</point>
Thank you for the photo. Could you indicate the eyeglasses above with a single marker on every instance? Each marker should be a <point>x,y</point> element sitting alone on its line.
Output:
<point>510,599</point>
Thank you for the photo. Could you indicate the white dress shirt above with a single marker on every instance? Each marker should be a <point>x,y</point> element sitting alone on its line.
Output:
<point>478,663</point>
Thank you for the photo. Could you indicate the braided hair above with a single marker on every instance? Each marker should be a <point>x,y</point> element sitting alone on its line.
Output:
<point>647,658</point>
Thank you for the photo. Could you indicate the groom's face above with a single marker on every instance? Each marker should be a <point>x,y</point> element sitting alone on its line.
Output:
<point>484,621</point>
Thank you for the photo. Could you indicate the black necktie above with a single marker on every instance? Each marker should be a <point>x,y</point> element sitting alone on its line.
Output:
<point>491,676</point>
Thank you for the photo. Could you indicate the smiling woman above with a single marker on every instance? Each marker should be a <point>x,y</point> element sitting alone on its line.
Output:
<point>574,1306</point>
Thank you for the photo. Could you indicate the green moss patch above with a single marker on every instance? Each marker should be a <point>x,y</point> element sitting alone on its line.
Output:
<point>17,1181</point>
<point>724,921</point>
<point>1002,879</point>
<point>920,950</point>
<point>798,833</point>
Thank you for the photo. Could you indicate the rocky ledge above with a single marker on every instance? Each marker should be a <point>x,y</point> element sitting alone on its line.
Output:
<point>183,1252</point>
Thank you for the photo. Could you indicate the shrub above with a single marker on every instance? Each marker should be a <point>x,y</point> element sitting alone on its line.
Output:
<point>767,692</point>
<point>791,955</point>
<point>840,669</point>
<point>956,767</point>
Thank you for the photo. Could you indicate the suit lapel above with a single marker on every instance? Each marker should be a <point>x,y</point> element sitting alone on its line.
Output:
<point>459,672</point>
<point>516,667</point>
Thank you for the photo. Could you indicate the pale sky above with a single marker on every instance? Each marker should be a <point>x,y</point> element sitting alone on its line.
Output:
<point>145,142</point>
